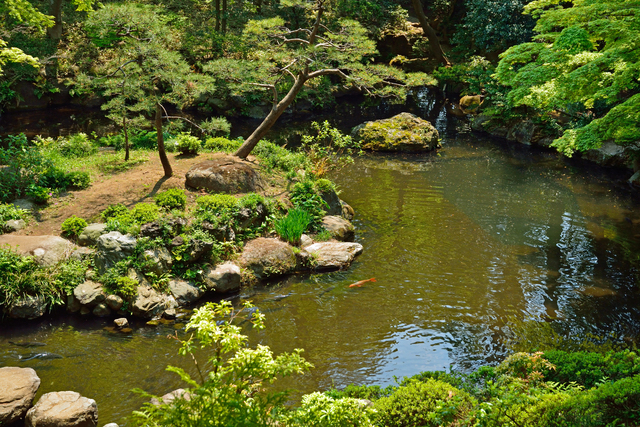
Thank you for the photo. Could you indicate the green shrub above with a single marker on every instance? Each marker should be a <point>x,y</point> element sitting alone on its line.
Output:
<point>77,145</point>
<point>113,211</point>
<point>429,403</point>
<point>9,212</point>
<point>323,236</point>
<point>304,196</point>
<point>78,180</point>
<point>139,138</point>
<point>40,195</point>
<point>174,198</point>
<point>619,402</point>
<point>216,126</point>
<point>58,179</point>
<point>252,200</point>
<point>216,203</point>
<point>73,226</point>
<point>323,185</point>
<point>143,213</point>
<point>370,392</point>
<point>320,410</point>
<point>273,156</point>
<point>222,144</point>
<point>291,227</point>
<point>187,144</point>
<point>123,286</point>
<point>26,165</point>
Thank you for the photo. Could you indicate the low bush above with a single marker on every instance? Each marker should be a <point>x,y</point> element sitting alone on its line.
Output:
<point>123,286</point>
<point>618,402</point>
<point>320,410</point>
<point>143,213</point>
<point>73,226</point>
<point>25,165</point>
<point>291,227</point>
<point>216,203</point>
<point>304,196</point>
<point>9,212</point>
<point>187,144</point>
<point>113,211</point>
<point>222,144</point>
<point>174,198</point>
<point>370,392</point>
<point>77,145</point>
<point>273,156</point>
<point>40,195</point>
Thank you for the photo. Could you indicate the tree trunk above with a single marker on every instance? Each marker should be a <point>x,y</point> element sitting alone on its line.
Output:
<point>430,33</point>
<point>55,32</point>
<point>126,139</point>
<point>217,6</point>
<point>224,17</point>
<point>163,154</point>
<point>271,118</point>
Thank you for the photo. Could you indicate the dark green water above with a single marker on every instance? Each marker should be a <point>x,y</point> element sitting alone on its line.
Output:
<point>458,242</point>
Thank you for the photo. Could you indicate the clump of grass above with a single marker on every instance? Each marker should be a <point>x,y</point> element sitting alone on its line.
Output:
<point>73,226</point>
<point>291,227</point>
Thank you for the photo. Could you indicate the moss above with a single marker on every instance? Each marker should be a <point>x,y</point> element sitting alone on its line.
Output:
<point>404,132</point>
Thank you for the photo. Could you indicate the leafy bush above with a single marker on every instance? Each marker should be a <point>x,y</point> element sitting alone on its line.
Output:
<point>143,213</point>
<point>323,185</point>
<point>113,211</point>
<point>216,203</point>
<point>618,402</point>
<point>123,286</point>
<point>25,166</point>
<point>291,227</point>
<point>77,145</point>
<point>174,198</point>
<point>222,144</point>
<point>187,144</point>
<point>216,126</point>
<point>429,403</point>
<point>370,392</point>
<point>328,149</point>
<point>40,195</point>
<point>139,138</point>
<point>119,218</point>
<point>56,178</point>
<point>73,226</point>
<point>273,156</point>
<point>320,410</point>
<point>9,212</point>
<point>304,196</point>
<point>78,180</point>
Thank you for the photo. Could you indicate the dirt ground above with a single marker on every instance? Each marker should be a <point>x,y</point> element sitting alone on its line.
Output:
<point>136,185</point>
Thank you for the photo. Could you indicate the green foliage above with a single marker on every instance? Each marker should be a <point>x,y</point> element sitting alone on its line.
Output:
<point>174,198</point>
<point>73,226</point>
<point>319,410</point>
<point>25,166</point>
<point>76,145</point>
<point>112,211</point>
<point>474,75</point>
<point>119,218</point>
<point>38,194</point>
<point>323,185</point>
<point>187,144</point>
<point>619,402</point>
<point>232,392</point>
<point>304,196</point>
<point>216,203</point>
<point>218,127</point>
<point>9,212</point>
<point>143,213</point>
<point>369,392</point>
<point>328,149</point>
<point>125,287</point>
<point>291,226</point>
<point>273,156</point>
<point>222,144</point>
<point>429,403</point>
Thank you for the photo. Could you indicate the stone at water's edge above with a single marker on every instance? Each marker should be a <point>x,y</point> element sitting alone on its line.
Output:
<point>149,303</point>
<point>47,250</point>
<point>404,132</point>
<point>18,387</point>
<point>331,255</point>
<point>334,204</point>
<point>267,257</point>
<point>63,409</point>
<point>340,228</point>
<point>113,247</point>
<point>184,292</point>
<point>90,234</point>
<point>89,293</point>
<point>171,396</point>
<point>27,307</point>
<point>222,278</point>
<point>224,174</point>
<point>157,261</point>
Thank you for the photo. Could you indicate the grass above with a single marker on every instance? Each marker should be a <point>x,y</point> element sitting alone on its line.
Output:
<point>102,162</point>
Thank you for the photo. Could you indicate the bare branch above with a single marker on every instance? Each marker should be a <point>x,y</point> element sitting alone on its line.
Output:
<point>272,87</point>
<point>328,71</point>
<point>182,118</point>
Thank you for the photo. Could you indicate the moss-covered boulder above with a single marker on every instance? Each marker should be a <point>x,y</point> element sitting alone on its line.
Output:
<point>404,132</point>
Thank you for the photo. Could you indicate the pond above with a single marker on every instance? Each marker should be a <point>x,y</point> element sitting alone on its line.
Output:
<point>459,242</point>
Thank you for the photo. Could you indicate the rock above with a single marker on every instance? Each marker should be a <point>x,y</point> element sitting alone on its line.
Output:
<point>184,292</point>
<point>332,200</point>
<point>223,278</point>
<point>90,234</point>
<point>522,132</point>
<point>340,228</point>
<point>251,217</point>
<point>224,174</point>
<point>101,310</point>
<point>170,314</point>
<point>82,253</point>
<point>113,247</point>
<point>25,204</point>
<point>170,397</point>
<point>222,233</point>
<point>111,425</point>
<point>63,409</point>
<point>331,255</point>
<point>151,229</point>
<point>198,249</point>
<point>18,387</point>
<point>121,322</point>
<point>610,154</point>
<point>14,225</point>
<point>47,250</point>
<point>114,302</point>
<point>157,261</point>
<point>177,242</point>
<point>89,293</point>
<point>267,257</point>
<point>73,305</point>
<point>347,211</point>
<point>27,307</point>
<point>305,241</point>
<point>148,302</point>
<point>404,132</point>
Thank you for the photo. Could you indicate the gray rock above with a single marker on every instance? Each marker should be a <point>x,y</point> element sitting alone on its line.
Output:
<point>101,310</point>
<point>610,154</point>
<point>89,293</point>
<point>25,204</point>
<point>331,255</point>
<point>149,303</point>
<point>111,425</point>
<point>121,323</point>
<point>330,197</point>
<point>169,314</point>
<point>305,241</point>
<point>113,247</point>
<point>403,132</point>
<point>73,305</point>
<point>14,225</point>
<point>347,211</point>
<point>27,307</point>
<point>184,292</point>
<point>85,311</point>
<point>63,409</point>
<point>266,257</point>
<point>170,397</point>
<point>82,253</point>
<point>222,278</point>
<point>522,132</point>
<point>157,261</point>
<point>340,228</point>
<point>114,302</point>
<point>224,174</point>
<point>90,234</point>
<point>47,250</point>
<point>18,387</point>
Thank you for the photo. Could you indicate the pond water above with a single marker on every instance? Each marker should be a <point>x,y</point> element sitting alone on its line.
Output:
<point>459,242</point>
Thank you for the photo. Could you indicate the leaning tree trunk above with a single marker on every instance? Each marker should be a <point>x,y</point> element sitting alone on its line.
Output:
<point>271,118</point>
<point>126,139</point>
<point>434,43</point>
<point>161,151</point>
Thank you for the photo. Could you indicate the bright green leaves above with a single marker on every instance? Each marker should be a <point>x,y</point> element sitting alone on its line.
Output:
<point>13,54</point>
<point>573,40</point>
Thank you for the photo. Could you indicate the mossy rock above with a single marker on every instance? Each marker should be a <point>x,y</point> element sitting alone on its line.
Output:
<point>404,132</point>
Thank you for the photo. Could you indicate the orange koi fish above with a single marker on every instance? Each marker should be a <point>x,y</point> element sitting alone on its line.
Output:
<point>361,282</point>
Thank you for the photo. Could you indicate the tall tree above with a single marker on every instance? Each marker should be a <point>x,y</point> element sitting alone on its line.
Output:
<point>55,31</point>
<point>295,57</point>
<point>430,33</point>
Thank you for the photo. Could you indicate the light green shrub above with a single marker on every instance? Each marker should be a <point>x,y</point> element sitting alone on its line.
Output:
<point>173,198</point>
<point>216,202</point>
<point>222,144</point>
<point>320,410</point>
<point>143,213</point>
<point>77,145</point>
<point>187,144</point>
<point>73,226</point>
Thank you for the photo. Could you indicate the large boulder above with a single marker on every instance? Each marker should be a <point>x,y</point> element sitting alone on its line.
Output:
<point>27,307</point>
<point>222,278</point>
<point>330,197</point>
<point>184,292</point>
<point>340,228</point>
<point>404,132</point>
<point>90,234</point>
<point>157,261</point>
<point>14,225</point>
<point>18,387</point>
<point>113,247</point>
<point>63,409</point>
<point>266,257</point>
<point>224,174</point>
<point>47,250</point>
<point>89,293</point>
<point>149,303</point>
<point>330,255</point>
